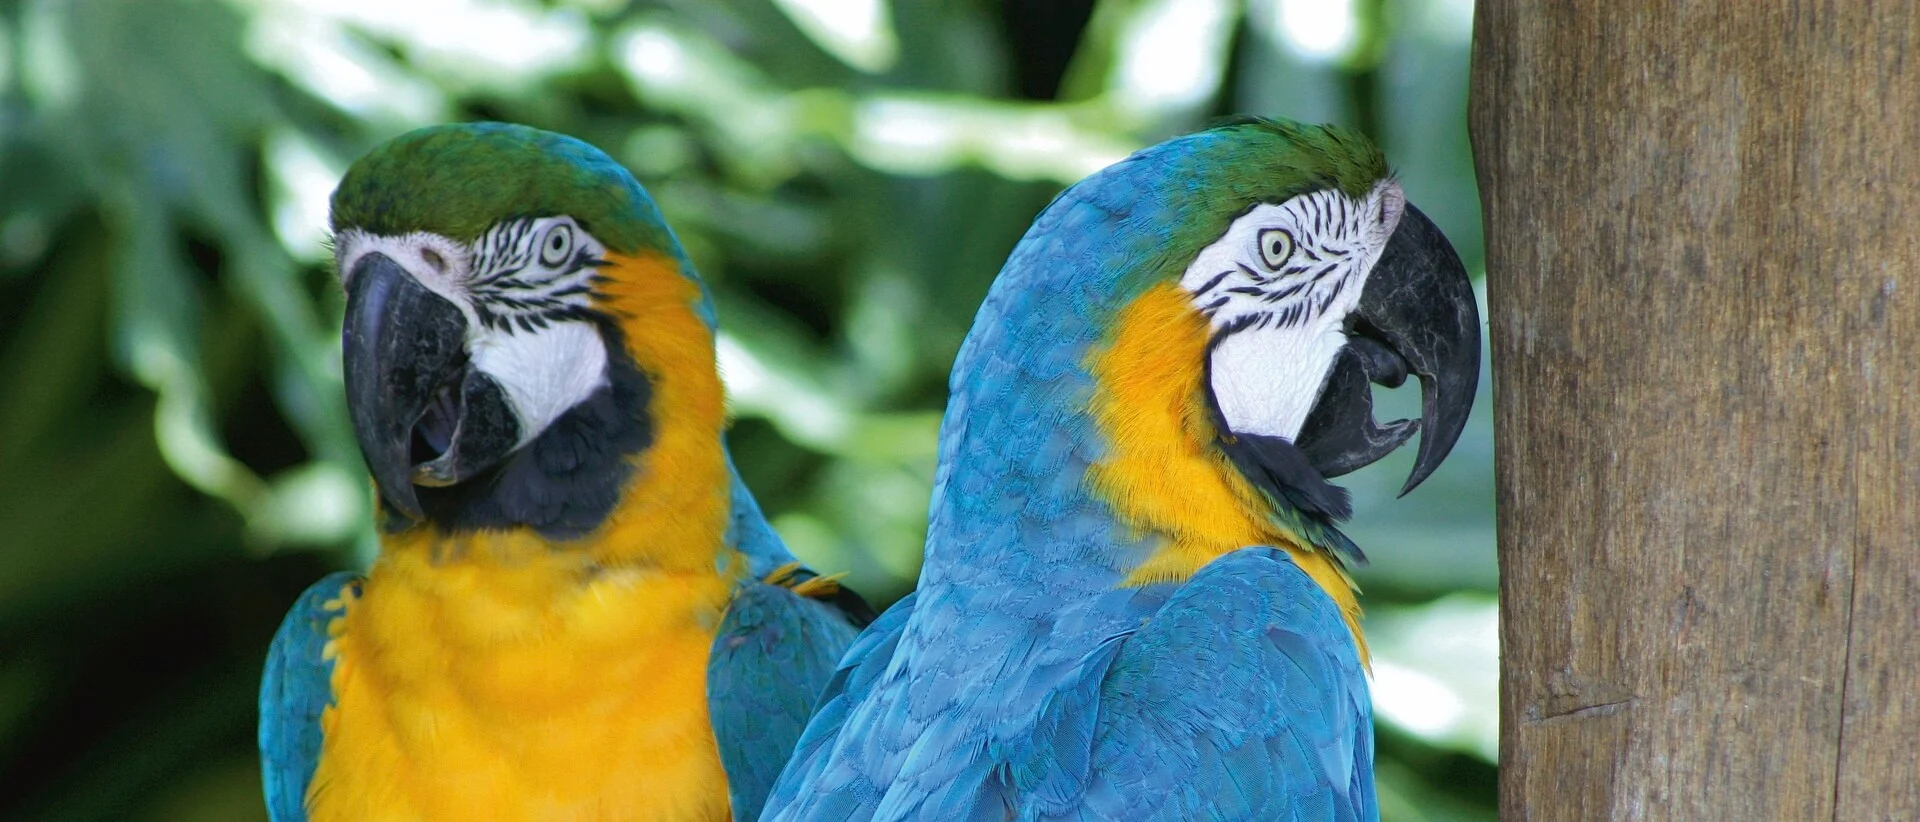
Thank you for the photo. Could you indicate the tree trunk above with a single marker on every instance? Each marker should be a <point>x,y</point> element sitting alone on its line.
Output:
<point>1705,316</point>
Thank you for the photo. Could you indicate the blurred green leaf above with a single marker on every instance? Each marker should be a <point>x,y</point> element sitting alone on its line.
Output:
<point>1436,671</point>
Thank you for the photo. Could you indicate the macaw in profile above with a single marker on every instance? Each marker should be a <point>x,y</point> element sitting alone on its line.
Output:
<point>577,611</point>
<point>1135,603</point>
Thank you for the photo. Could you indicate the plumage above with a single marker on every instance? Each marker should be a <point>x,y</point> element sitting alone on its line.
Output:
<point>1119,616</point>
<point>578,611</point>
<point>771,659</point>
<point>294,690</point>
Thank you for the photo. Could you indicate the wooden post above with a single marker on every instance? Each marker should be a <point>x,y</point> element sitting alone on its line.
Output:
<point>1704,281</point>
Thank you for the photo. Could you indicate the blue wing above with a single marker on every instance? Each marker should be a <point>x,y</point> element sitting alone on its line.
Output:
<point>774,653</point>
<point>1243,698</point>
<point>294,689</point>
<point>1240,698</point>
<point>852,682</point>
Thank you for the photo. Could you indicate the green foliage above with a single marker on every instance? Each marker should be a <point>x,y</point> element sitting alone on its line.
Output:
<point>175,462</point>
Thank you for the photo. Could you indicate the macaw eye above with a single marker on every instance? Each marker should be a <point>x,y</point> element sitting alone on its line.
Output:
<point>557,247</point>
<point>1276,245</point>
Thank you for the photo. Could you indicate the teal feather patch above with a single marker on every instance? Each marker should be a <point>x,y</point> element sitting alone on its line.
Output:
<point>294,689</point>
<point>773,655</point>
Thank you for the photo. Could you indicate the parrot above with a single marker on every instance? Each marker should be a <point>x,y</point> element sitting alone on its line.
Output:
<point>1136,601</point>
<point>577,610</point>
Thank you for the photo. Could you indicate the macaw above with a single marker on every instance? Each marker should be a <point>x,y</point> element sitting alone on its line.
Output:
<point>1135,602</point>
<point>577,611</point>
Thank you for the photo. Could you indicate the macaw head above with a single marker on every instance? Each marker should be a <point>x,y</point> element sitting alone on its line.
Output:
<point>1273,271</point>
<point>524,339</point>
<point>1323,280</point>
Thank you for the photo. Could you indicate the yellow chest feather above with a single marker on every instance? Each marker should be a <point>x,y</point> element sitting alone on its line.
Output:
<point>528,687</point>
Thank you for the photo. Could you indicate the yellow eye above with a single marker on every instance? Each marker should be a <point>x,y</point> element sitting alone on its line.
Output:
<point>1276,245</point>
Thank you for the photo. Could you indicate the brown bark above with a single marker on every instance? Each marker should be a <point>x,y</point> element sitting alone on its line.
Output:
<point>1705,317</point>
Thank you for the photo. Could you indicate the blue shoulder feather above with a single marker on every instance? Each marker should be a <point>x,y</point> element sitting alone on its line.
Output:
<point>774,652</point>
<point>852,683</point>
<point>1241,697</point>
<point>294,689</point>
<point>1176,739</point>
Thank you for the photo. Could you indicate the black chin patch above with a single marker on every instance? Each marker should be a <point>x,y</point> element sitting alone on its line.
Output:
<point>482,432</point>
<point>1282,471</point>
<point>1277,467</point>
<point>566,481</point>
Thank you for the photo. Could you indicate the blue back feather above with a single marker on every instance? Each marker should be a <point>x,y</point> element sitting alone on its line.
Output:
<point>771,658</point>
<point>773,655</point>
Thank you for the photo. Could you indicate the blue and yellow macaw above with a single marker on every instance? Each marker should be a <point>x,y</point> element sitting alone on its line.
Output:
<point>1135,603</point>
<point>578,611</point>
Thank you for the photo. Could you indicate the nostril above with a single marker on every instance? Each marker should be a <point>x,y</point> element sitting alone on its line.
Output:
<point>434,260</point>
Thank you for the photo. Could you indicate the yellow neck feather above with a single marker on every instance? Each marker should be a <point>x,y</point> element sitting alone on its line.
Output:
<point>674,514</point>
<point>1162,474</point>
<point>521,682</point>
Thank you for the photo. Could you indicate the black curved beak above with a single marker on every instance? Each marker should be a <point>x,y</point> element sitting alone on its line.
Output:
<point>1417,315</point>
<point>421,416</point>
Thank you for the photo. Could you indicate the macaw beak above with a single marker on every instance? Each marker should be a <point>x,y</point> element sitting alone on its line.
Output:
<point>1417,315</point>
<point>423,418</point>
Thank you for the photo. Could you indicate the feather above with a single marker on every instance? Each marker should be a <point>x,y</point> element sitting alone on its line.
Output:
<point>295,689</point>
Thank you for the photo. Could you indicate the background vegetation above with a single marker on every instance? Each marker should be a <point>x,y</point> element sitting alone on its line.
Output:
<point>175,462</point>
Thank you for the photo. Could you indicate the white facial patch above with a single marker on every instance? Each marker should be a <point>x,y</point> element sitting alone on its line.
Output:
<point>544,372</point>
<point>1277,288</point>
<point>525,290</point>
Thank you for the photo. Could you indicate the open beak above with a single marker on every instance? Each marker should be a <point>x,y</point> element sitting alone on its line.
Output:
<point>1417,315</point>
<point>422,416</point>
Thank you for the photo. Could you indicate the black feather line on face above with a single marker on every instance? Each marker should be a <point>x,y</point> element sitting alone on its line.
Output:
<point>1326,299</point>
<point>503,257</point>
<point>1284,293</point>
<point>512,297</point>
<point>1237,325</point>
<point>1211,283</point>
